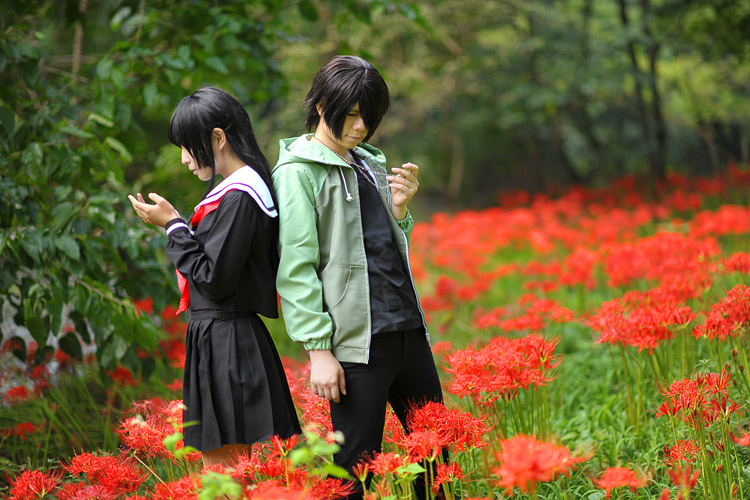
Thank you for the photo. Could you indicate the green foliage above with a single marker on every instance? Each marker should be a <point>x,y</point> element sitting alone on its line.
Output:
<point>76,136</point>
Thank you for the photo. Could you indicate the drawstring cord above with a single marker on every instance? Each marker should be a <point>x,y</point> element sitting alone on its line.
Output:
<point>346,187</point>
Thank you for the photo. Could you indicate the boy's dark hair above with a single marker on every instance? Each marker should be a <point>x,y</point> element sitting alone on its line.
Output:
<point>343,82</point>
<point>194,120</point>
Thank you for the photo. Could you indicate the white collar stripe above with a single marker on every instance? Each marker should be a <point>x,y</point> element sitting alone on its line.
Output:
<point>248,180</point>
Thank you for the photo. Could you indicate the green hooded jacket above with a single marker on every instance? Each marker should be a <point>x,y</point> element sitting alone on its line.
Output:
<point>322,278</point>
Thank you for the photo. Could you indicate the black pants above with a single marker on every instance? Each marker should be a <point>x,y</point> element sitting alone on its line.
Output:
<point>402,372</point>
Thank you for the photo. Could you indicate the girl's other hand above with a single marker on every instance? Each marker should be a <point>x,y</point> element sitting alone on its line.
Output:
<point>157,214</point>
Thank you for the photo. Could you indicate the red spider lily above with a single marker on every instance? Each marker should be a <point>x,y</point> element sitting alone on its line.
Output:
<point>17,394</point>
<point>683,451</point>
<point>423,445</point>
<point>270,490</point>
<point>23,429</point>
<point>446,473</point>
<point>116,474</point>
<point>393,432</point>
<point>331,488</point>
<point>538,313</point>
<point>638,320</point>
<point>728,219</point>
<point>502,367</point>
<point>383,463</point>
<point>122,376</point>
<point>742,440</point>
<point>315,410</point>
<point>659,256</point>
<point>183,489</point>
<point>699,401</point>
<point>175,386</point>
<point>155,419</point>
<point>458,430</point>
<point>33,484</point>
<point>146,305</point>
<point>524,462</point>
<point>729,317</point>
<point>84,491</point>
<point>615,477</point>
<point>739,262</point>
<point>684,479</point>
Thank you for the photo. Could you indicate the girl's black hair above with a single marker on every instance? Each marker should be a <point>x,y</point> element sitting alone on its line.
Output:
<point>194,120</point>
<point>343,82</point>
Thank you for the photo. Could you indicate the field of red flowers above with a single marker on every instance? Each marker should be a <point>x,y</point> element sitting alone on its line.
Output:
<point>591,345</point>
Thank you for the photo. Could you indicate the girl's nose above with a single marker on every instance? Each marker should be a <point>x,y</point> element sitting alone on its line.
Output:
<point>359,123</point>
<point>185,156</point>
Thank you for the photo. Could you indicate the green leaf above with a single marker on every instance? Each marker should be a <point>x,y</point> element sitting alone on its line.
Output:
<point>336,471</point>
<point>81,327</point>
<point>68,246</point>
<point>8,119</point>
<point>71,346</point>
<point>33,243</point>
<point>18,348</point>
<point>308,10</point>
<point>150,94</point>
<point>35,323</point>
<point>120,148</point>
<point>217,64</point>
<point>76,132</point>
<point>96,117</point>
<point>32,159</point>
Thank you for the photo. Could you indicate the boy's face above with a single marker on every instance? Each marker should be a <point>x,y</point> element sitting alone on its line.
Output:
<point>353,132</point>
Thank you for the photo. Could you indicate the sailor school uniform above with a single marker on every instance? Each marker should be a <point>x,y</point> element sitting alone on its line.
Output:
<point>234,386</point>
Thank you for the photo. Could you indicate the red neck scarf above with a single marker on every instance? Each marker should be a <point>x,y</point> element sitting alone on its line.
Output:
<point>197,217</point>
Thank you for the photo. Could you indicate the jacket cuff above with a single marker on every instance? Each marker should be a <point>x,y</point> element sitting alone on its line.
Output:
<point>175,224</point>
<point>407,221</point>
<point>318,345</point>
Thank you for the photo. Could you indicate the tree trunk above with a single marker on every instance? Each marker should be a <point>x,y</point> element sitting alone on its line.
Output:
<point>78,41</point>
<point>659,164</point>
<point>642,111</point>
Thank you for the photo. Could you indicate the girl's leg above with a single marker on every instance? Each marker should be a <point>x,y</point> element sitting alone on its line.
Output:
<point>226,455</point>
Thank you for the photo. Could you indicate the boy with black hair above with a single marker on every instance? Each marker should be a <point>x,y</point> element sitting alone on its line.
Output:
<point>344,279</point>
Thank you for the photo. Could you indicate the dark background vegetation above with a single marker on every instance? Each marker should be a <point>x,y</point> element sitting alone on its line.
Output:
<point>486,96</point>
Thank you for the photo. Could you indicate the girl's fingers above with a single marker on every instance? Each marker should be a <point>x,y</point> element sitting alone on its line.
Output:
<point>140,198</point>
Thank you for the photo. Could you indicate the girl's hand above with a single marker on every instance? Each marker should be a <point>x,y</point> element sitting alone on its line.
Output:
<point>157,214</point>
<point>404,185</point>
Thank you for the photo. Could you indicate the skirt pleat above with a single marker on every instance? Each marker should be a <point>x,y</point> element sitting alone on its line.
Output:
<point>235,388</point>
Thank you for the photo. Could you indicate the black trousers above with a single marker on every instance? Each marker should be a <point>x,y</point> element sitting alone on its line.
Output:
<point>402,372</point>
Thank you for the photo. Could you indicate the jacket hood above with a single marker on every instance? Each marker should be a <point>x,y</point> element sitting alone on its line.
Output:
<point>301,150</point>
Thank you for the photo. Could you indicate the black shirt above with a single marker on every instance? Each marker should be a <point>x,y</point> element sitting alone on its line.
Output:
<point>393,303</point>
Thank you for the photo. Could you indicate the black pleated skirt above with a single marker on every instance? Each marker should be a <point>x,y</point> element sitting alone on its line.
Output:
<point>235,389</point>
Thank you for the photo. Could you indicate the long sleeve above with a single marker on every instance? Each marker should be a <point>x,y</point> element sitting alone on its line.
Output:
<point>297,280</point>
<point>213,268</point>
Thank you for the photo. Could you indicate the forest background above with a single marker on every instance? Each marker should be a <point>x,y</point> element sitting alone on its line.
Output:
<point>487,96</point>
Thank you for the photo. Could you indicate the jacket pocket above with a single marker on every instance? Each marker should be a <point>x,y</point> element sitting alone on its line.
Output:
<point>336,280</point>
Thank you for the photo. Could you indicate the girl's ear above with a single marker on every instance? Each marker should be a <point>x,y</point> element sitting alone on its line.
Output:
<point>218,138</point>
<point>319,107</point>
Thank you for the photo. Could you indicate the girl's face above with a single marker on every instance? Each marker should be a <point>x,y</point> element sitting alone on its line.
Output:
<point>203,173</point>
<point>353,132</point>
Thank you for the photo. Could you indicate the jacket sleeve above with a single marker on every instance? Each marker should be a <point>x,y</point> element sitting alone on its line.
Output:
<point>297,280</point>
<point>407,225</point>
<point>214,268</point>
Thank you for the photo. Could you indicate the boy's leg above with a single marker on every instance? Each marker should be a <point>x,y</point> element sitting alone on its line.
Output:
<point>360,415</point>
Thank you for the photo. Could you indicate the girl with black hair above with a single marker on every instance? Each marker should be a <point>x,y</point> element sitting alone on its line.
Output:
<point>344,278</point>
<point>234,388</point>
